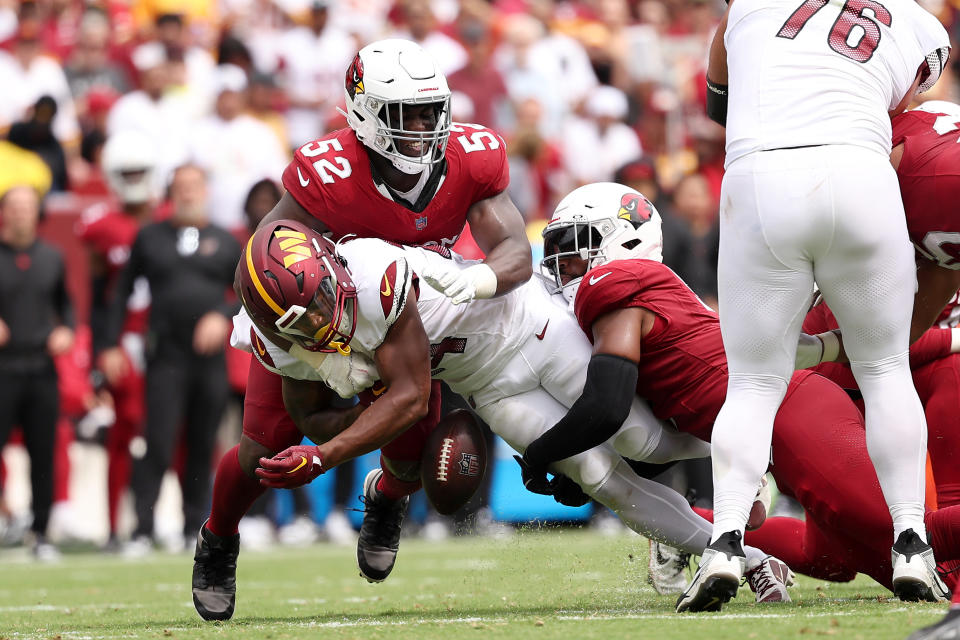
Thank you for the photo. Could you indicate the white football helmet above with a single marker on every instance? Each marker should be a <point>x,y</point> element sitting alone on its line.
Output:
<point>129,161</point>
<point>598,223</point>
<point>397,72</point>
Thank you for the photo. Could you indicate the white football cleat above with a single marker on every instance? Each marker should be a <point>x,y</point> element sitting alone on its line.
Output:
<point>915,574</point>
<point>667,568</point>
<point>719,575</point>
<point>769,580</point>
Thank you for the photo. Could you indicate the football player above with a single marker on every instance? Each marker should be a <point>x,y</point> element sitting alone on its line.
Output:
<point>519,359</point>
<point>808,195</point>
<point>129,165</point>
<point>651,337</point>
<point>404,172</point>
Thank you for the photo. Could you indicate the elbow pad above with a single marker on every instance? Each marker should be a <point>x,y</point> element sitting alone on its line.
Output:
<point>717,102</point>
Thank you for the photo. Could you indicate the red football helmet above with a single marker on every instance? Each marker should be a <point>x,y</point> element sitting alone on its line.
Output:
<point>294,280</point>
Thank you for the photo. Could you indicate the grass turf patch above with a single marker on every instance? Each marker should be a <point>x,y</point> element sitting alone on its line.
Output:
<point>539,584</point>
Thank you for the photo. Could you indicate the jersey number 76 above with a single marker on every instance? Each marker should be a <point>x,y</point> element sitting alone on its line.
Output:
<point>854,35</point>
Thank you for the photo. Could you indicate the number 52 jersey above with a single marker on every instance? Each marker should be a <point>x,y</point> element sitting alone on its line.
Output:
<point>815,72</point>
<point>332,179</point>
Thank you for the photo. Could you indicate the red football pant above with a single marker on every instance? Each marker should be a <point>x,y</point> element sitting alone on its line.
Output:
<point>128,401</point>
<point>938,385</point>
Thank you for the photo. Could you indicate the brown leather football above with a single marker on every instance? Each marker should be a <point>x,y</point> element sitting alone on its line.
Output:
<point>454,461</point>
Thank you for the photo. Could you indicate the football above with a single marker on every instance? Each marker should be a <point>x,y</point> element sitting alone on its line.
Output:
<point>454,461</point>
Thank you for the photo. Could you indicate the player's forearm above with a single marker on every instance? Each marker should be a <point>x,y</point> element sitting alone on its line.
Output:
<point>594,417</point>
<point>375,426</point>
<point>511,261</point>
<point>325,425</point>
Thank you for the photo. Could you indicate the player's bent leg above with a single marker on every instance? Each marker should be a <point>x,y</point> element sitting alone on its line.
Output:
<point>379,539</point>
<point>386,495</point>
<point>938,385</point>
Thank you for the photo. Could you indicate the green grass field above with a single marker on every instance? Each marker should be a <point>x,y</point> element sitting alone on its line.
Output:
<point>536,584</point>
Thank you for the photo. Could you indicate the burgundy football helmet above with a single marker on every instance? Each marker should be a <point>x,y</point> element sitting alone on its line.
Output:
<point>293,281</point>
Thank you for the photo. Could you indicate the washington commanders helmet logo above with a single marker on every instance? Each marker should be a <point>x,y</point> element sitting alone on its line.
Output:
<point>635,208</point>
<point>355,77</point>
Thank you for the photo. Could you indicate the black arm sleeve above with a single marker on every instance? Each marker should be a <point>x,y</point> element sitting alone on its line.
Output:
<point>594,417</point>
<point>717,102</point>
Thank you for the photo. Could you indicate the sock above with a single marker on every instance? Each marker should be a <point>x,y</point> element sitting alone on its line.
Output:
<point>393,488</point>
<point>908,515</point>
<point>233,493</point>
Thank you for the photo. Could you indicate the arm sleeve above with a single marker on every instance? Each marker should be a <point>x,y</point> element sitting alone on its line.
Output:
<point>717,102</point>
<point>594,417</point>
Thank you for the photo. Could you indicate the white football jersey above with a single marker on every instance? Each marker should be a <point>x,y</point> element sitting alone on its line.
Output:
<point>821,71</point>
<point>469,343</point>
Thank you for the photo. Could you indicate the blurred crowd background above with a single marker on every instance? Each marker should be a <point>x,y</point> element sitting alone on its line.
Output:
<point>582,91</point>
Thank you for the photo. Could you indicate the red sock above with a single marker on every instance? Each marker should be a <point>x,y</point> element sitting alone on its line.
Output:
<point>394,488</point>
<point>233,493</point>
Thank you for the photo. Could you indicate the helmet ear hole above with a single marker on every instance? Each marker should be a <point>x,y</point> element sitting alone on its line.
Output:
<point>630,244</point>
<point>299,277</point>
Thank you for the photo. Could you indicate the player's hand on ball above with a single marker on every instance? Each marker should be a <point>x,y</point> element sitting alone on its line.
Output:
<point>534,480</point>
<point>293,467</point>
<point>567,492</point>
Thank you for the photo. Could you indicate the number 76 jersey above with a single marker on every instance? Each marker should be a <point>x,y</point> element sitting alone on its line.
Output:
<point>331,178</point>
<point>929,174</point>
<point>817,72</point>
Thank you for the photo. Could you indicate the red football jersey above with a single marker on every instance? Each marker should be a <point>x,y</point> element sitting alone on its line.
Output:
<point>683,369</point>
<point>109,234</point>
<point>331,179</point>
<point>929,174</point>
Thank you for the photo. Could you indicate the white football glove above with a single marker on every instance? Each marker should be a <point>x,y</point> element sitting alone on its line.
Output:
<point>347,375</point>
<point>462,285</point>
<point>813,350</point>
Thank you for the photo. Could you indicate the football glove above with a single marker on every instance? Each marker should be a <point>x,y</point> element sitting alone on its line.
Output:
<point>462,285</point>
<point>534,480</point>
<point>813,350</point>
<point>293,467</point>
<point>567,492</point>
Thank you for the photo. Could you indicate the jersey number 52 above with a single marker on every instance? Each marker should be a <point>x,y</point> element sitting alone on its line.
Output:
<point>854,35</point>
<point>338,166</point>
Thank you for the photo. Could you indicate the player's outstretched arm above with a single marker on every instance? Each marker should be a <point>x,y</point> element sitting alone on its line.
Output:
<point>403,361</point>
<point>499,230</point>
<point>607,395</point>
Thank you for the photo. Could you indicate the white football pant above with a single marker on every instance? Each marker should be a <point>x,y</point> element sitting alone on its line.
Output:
<point>534,391</point>
<point>830,214</point>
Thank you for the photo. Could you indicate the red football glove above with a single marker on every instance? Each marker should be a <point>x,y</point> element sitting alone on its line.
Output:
<point>293,467</point>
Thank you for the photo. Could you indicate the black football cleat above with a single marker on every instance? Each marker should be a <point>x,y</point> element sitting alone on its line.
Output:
<point>380,532</point>
<point>215,574</point>
<point>719,575</point>
<point>915,570</point>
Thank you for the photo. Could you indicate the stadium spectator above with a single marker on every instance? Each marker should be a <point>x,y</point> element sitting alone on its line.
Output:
<point>162,115</point>
<point>90,68</point>
<point>234,148</point>
<point>418,23</point>
<point>193,67</point>
<point>312,60</point>
<point>694,237</point>
<point>29,74</point>
<point>36,325</point>
<point>480,80</point>
<point>611,142</point>
<point>188,263</point>
<point>36,134</point>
